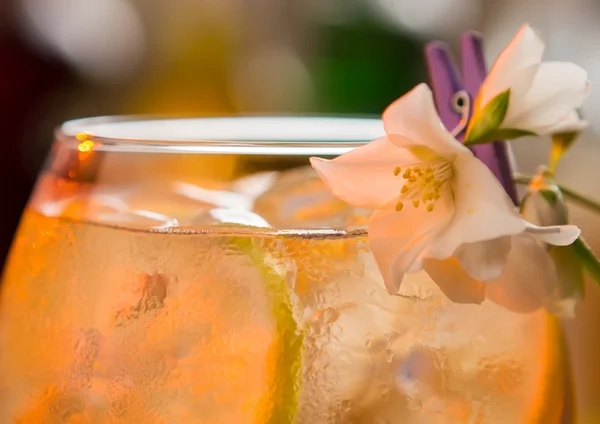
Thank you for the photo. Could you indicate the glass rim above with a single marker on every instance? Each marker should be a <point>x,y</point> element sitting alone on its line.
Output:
<point>247,134</point>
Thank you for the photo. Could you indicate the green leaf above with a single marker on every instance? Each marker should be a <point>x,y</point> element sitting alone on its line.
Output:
<point>587,257</point>
<point>502,134</point>
<point>511,133</point>
<point>488,119</point>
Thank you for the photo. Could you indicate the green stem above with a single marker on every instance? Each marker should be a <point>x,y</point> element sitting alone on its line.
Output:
<point>588,258</point>
<point>567,192</point>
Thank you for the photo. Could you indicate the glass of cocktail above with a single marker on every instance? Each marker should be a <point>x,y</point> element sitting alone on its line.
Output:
<point>198,271</point>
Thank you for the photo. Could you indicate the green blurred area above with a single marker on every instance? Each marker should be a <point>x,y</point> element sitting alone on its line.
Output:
<point>361,68</point>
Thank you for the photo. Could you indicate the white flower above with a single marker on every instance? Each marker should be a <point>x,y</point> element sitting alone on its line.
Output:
<point>523,95</point>
<point>526,284</point>
<point>571,123</point>
<point>432,198</point>
<point>544,205</point>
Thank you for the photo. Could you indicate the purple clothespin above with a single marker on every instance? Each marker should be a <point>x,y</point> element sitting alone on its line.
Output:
<point>447,82</point>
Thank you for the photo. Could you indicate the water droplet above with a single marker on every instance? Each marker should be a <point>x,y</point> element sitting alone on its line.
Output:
<point>330,315</point>
<point>337,330</point>
<point>458,408</point>
<point>146,294</point>
<point>384,392</point>
<point>418,375</point>
<point>88,343</point>
<point>346,406</point>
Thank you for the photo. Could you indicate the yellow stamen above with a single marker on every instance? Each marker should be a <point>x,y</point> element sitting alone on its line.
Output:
<point>424,182</point>
<point>399,206</point>
<point>397,171</point>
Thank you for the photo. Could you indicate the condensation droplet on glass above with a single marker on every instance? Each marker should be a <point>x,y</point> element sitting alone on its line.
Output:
<point>330,315</point>
<point>384,390</point>
<point>336,330</point>
<point>416,373</point>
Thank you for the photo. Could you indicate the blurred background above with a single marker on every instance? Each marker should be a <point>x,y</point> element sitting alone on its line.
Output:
<point>63,59</point>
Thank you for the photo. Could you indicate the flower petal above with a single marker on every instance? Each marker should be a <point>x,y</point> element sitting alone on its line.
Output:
<point>557,235</point>
<point>557,89</point>
<point>364,177</point>
<point>572,122</point>
<point>528,279</point>
<point>454,281</point>
<point>482,209</point>
<point>414,116</point>
<point>516,63</point>
<point>397,239</point>
<point>484,260</point>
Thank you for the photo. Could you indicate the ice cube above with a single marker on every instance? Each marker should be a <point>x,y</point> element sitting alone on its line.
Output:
<point>139,219</point>
<point>85,207</point>
<point>146,206</point>
<point>229,216</point>
<point>299,198</point>
<point>218,198</point>
<point>133,206</point>
<point>255,185</point>
<point>175,200</point>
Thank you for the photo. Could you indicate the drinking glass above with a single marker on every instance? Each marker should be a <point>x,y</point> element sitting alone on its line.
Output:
<point>174,271</point>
